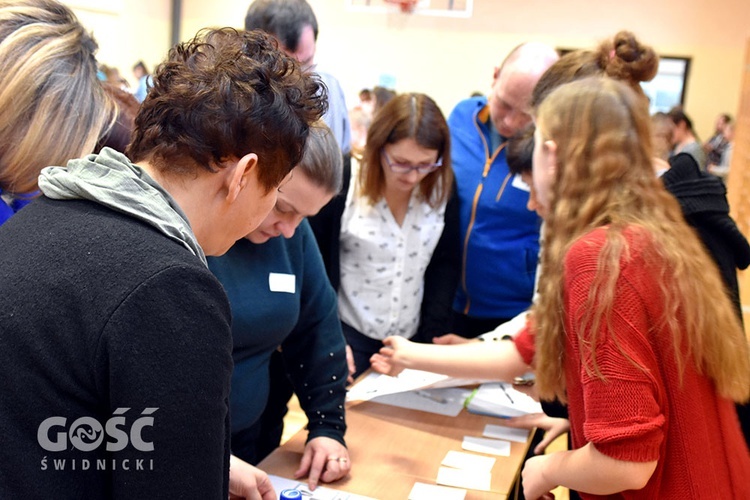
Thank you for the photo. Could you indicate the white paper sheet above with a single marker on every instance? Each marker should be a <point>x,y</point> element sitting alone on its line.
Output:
<point>500,399</point>
<point>461,460</point>
<point>320,493</point>
<point>461,478</point>
<point>508,433</point>
<point>489,446</point>
<point>422,491</point>
<point>376,384</point>
<point>448,402</point>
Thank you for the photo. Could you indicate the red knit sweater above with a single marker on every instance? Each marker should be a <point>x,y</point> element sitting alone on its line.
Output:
<point>641,415</point>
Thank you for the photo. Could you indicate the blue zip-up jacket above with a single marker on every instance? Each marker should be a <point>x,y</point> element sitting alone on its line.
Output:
<point>499,235</point>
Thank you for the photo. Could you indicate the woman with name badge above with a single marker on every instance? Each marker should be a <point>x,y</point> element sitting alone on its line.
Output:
<point>281,298</point>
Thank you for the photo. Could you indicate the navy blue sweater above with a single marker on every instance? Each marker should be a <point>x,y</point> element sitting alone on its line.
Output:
<point>280,296</point>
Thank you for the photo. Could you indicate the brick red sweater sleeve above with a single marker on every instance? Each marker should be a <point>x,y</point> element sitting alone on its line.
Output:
<point>524,341</point>
<point>622,409</point>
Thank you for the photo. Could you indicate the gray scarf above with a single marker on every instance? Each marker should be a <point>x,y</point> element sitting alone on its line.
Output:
<point>110,179</point>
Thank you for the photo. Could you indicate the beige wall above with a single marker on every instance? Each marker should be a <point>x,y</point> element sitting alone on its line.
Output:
<point>449,58</point>
<point>127,30</point>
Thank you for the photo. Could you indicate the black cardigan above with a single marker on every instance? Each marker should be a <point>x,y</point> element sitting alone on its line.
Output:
<point>703,200</point>
<point>102,317</point>
<point>442,273</point>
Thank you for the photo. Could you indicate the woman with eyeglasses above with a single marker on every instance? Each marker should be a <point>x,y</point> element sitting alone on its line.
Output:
<point>398,241</point>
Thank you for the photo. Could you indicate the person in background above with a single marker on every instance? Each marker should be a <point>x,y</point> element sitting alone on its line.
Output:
<point>111,313</point>
<point>499,237</point>
<point>280,298</point>
<point>684,139</point>
<point>721,169</point>
<point>366,100</point>
<point>50,84</point>
<point>715,146</point>
<point>360,118</point>
<point>381,97</point>
<point>662,128</point>
<point>294,25</point>
<point>118,135</point>
<point>144,79</point>
<point>396,265</point>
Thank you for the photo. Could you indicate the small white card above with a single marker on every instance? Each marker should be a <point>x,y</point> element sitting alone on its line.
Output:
<point>460,460</point>
<point>489,446</point>
<point>462,478</point>
<point>508,433</point>
<point>279,282</point>
<point>519,184</point>
<point>422,491</point>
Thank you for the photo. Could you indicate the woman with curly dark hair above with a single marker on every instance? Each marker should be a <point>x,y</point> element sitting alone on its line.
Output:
<point>121,332</point>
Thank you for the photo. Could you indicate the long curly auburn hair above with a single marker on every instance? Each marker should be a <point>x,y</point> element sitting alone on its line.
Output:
<point>604,178</point>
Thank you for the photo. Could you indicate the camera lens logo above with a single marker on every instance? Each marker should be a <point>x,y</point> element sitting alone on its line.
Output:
<point>86,434</point>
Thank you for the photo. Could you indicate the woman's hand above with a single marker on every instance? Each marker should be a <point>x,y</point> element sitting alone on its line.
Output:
<point>535,484</point>
<point>553,427</point>
<point>248,482</point>
<point>390,359</point>
<point>325,460</point>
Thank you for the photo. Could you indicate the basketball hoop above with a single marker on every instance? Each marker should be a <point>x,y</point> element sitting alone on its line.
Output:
<point>406,6</point>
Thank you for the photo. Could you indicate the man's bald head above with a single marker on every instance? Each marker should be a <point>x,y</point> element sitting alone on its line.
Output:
<point>513,83</point>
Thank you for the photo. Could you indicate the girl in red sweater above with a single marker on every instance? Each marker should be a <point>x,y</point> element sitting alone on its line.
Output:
<point>633,327</point>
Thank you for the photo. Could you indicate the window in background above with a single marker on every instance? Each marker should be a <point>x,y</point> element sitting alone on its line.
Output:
<point>667,89</point>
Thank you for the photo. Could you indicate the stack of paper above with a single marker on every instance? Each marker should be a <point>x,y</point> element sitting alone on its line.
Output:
<point>499,399</point>
<point>376,384</point>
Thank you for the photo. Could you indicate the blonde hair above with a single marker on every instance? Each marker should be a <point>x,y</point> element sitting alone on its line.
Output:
<point>52,106</point>
<point>322,160</point>
<point>604,177</point>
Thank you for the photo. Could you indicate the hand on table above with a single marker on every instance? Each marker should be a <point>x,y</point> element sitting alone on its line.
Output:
<point>324,459</point>
<point>553,427</point>
<point>388,360</point>
<point>534,482</point>
<point>248,482</point>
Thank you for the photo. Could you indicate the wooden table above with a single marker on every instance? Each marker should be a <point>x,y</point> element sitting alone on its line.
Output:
<point>391,448</point>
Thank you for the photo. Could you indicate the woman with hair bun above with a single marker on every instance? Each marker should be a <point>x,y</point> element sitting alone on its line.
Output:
<point>632,326</point>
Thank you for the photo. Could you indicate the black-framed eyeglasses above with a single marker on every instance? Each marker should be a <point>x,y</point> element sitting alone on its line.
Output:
<point>404,168</point>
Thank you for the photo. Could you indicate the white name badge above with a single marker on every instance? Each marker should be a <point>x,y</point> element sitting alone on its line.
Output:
<point>279,282</point>
<point>519,184</point>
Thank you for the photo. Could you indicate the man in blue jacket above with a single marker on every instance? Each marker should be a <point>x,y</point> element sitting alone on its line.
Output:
<point>499,235</point>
